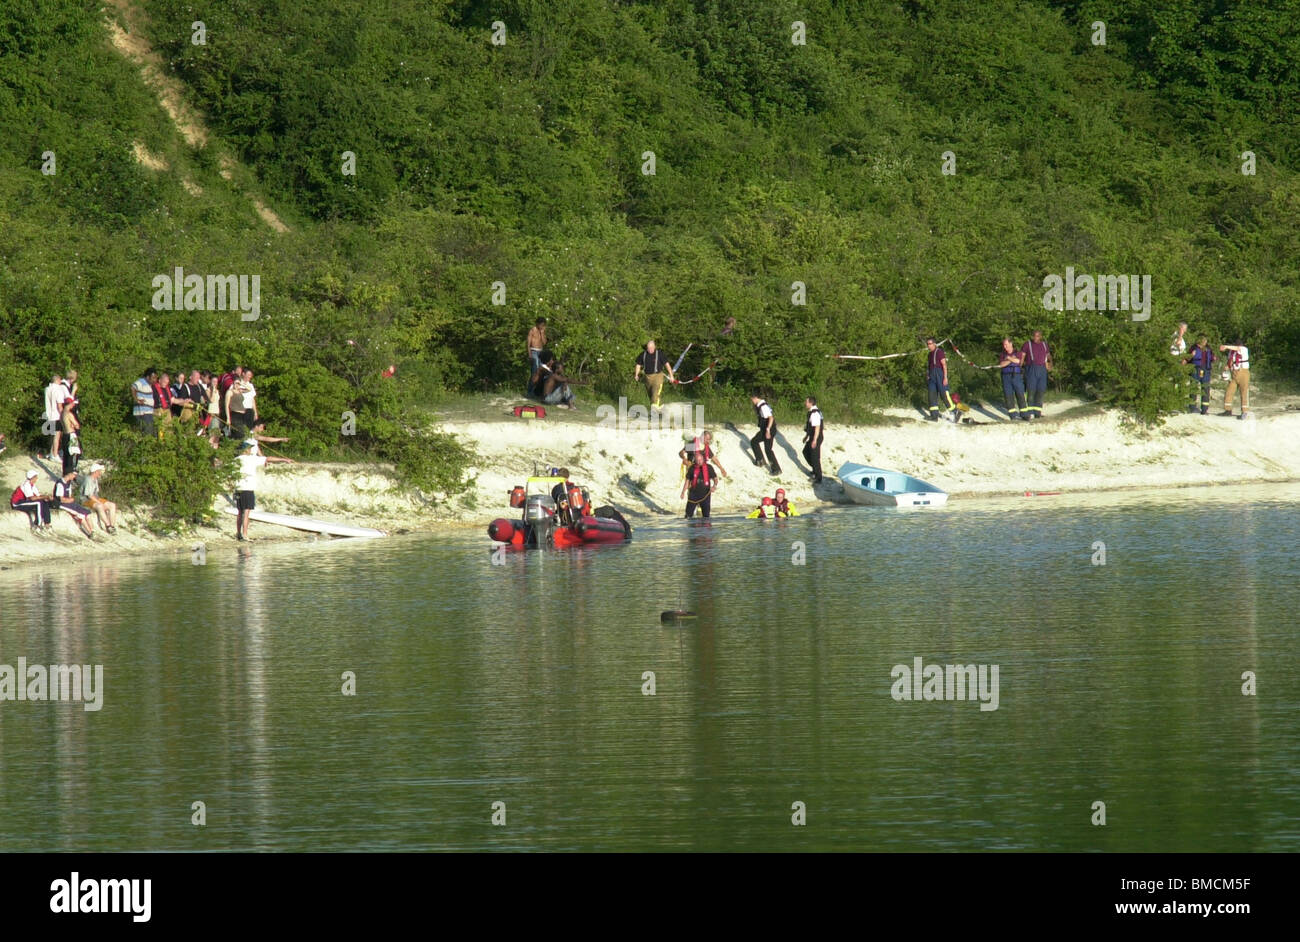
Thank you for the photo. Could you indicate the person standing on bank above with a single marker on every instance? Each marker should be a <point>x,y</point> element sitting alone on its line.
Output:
<point>766,433</point>
<point>1013,380</point>
<point>1178,346</point>
<point>697,489</point>
<point>814,431</point>
<point>250,460</point>
<point>937,381</point>
<point>653,363</point>
<point>1202,359</point>
<point>536,344</point>
<point>1036,360</point>
<point>1238,376</point>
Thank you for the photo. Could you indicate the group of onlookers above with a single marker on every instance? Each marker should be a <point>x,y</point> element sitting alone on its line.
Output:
<point>1202,359</point>
<point>213,404</point>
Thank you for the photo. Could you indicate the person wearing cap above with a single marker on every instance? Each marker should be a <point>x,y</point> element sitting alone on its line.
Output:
<point>105,510</point>
<point>63,501</point>
<point>142,397</point>
<point>70,447</point>
<point>27,498</point>
<point>250,460</point>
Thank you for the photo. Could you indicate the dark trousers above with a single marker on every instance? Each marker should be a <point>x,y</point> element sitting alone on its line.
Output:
<point>534,364</point>
<point>699,497</point>
<point>1035,387</point>
<point>938,391</point>
<point>36,510</point>
<point>145,424</point>
<point>1201,385</point>
<point>814,458</point>
<point>761,439</point>
<point>1013,391</point>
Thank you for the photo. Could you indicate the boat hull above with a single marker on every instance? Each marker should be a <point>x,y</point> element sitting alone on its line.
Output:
<point>308,525</point>
<point>880,487</point>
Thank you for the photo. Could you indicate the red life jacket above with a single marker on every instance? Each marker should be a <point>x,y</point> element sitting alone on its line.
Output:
<point>698,470</point>
<point>163,396</point>
<point>223,384</point>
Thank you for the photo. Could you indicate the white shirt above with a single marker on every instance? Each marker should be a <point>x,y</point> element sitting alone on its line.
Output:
<point>1243,363</point>
<point>248,465</point>
<point>1178,347</point>
<point>55,394</point>
<point>247,394</point>
<point>815,417</point>
<point>29,490</point>
<point>765,411</point>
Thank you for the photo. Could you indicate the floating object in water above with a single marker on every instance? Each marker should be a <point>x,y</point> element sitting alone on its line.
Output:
<point>675,615</point>
<point>542,525</point>
<point>883,488</point>
<point>1042,493</point>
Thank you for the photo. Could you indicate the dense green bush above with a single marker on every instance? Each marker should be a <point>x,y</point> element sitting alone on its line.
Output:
<point>522,165</point>
<point>178,476</point>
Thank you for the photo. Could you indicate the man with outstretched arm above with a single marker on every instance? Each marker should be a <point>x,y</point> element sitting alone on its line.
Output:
<point>250,460</point>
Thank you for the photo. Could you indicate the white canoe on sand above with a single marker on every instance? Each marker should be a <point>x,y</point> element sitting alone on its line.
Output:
<point>308,524</point>
<point>879,487</point>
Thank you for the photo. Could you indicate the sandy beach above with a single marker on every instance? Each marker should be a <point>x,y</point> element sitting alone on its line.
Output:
<point>1076,448</point>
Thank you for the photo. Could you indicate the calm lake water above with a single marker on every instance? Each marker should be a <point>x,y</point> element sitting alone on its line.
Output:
<point>523,683</point>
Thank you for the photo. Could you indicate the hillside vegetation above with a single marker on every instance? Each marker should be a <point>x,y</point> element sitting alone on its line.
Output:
<point>522,163</point>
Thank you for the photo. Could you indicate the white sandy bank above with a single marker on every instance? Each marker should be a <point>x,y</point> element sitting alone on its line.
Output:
<point>638,470</point>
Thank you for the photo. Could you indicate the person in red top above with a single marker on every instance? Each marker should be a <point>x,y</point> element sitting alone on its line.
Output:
<point>1036,360</point>
<point>700,482</point>
<point>162,403</point>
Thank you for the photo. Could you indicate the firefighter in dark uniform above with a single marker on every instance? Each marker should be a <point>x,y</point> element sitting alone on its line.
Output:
<point>1036,360</point>
<point>766,433</point>
<point>1013,381</point>
<point>814,430</point>
<point>701,480</point>
<point>937,380</point>
<point>1202,360</point>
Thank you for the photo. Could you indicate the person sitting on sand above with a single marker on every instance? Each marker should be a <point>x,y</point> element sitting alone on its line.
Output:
<point>63,501</point>
<point>105,510</point>
<point>554,388</point>
<point>27,498</point>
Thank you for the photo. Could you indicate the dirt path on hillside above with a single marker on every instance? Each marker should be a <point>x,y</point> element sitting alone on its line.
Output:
<point>131,43</point>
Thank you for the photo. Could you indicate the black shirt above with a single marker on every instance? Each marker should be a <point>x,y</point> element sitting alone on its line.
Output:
<point>652,362</point>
